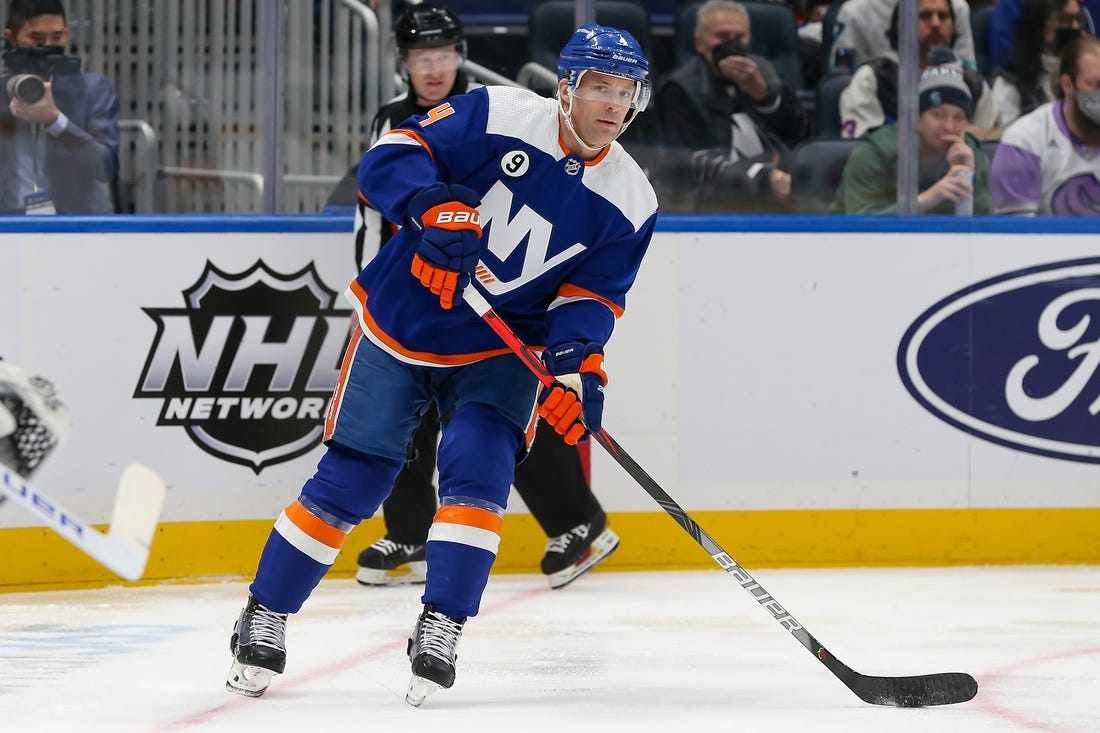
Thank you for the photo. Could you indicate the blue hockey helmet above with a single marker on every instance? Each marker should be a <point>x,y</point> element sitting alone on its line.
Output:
<point>606,50</point>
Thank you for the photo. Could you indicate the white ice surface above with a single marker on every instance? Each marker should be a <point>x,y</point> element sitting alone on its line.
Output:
<point>675,651</point>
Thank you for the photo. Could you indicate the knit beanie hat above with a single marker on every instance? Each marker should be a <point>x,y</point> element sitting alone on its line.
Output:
<point>944,84</point>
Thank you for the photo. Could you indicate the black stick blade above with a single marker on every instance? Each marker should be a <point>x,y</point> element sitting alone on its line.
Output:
<point>946,688</point>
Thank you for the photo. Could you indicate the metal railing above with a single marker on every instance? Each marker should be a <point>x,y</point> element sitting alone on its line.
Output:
<point>138,164</point>
<point>194,72</point>
<point>487,76</point>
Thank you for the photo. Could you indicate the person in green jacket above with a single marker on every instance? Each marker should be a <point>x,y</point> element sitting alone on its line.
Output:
<point>953,172</point>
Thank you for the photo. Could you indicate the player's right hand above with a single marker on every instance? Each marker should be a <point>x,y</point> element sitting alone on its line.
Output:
<point>450,233</point>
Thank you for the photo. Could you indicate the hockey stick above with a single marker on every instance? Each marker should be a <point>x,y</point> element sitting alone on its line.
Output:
<point>944,688</point>
<point>125,548</point>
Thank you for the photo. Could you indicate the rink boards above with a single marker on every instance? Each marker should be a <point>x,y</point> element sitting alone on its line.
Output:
<point>828,394</point>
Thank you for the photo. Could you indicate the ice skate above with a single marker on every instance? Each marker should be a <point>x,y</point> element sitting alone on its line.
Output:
<point>432,653</point>
<point>390,563</point>
<point>571,555</point>
<point>258,646</point>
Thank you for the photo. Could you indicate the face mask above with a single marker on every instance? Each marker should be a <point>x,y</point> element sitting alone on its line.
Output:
<point>1062,38</point>
<point>732,47</point>
<point>1089,104</point>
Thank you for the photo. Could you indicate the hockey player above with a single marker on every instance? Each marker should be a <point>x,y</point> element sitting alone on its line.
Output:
<point>33,420</point>
<point>535,199</point>
<point>431,45</point>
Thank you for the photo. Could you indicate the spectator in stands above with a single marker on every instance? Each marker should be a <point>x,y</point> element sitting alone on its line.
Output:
<point>863,26</point>
<point>59,130</point>
<point>1048,161</point>
<point>1006,19</point>
<point>1023,82</point>
<point>952,169</point>
<point>727,121</point>
<point>871,97</point>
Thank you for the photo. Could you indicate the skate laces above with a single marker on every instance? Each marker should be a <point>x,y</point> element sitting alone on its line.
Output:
<point>438,635</point>
<point>267,628</point>
<point>560,544</point>
<point>386,546</point>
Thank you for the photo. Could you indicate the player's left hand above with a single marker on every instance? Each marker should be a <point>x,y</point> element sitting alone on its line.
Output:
<point>573,404</point>
<point>450,239</point>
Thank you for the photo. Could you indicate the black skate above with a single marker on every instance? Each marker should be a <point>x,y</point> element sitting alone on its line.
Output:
<point>389,563</point>
<point>571,555</point>
<point>432,653</point>
<point>258,646</point>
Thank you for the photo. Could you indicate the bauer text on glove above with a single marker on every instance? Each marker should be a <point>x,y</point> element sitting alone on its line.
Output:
<point>450,230</point>
<point>573,404</point>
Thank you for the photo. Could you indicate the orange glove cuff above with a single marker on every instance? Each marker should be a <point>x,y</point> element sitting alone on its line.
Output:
<point>453,215</point>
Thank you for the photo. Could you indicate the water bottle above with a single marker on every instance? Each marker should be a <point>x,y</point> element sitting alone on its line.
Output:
<point>966,208</point>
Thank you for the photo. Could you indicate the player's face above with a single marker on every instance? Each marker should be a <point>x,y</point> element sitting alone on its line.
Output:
<point>41,30</point>
<point>432,72</point>
<point>599,105</point>
<point>939,127</point>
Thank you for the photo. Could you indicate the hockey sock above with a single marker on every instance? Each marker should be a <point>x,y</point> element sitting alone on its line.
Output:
<point>300,550</point>
<point>462,547</point>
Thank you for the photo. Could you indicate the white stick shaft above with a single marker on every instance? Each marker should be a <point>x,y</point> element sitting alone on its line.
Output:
<point>125,548</point>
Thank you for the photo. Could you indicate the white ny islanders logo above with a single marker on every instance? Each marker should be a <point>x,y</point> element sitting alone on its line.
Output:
<point>505,236</point>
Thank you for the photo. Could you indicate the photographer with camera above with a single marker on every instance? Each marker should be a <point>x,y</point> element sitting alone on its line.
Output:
<point>58,125</point>
<point>727,121</point>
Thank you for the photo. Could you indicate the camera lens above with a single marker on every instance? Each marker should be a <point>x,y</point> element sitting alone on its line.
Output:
<point>27,88</point>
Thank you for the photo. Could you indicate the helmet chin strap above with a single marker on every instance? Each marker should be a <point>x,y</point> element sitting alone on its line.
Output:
<point>568,115</point>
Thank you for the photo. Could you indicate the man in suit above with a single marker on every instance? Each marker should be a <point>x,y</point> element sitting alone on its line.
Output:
<point>58,131</point>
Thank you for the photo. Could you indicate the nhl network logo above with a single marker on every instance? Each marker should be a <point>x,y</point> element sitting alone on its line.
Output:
<point>248,365</point>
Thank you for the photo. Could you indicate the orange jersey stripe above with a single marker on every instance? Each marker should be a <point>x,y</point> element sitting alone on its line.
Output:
<point>419,356</point>
<point>341,382</point>
<point>572,291</point>
<point>532,426</point>
<point>316,528</point>
<point>600,156</point>
<point>415,136</point>
<point>471,517</point>
<point>482,273</point>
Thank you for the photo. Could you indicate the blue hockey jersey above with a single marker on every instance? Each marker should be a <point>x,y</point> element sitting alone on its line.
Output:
<point>562,238</point>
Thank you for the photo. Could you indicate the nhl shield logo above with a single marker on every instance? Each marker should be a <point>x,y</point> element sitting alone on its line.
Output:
<point>248,365</point>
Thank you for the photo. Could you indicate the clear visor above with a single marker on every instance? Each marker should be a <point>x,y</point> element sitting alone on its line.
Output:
<point>609,89</point>
<point>428,61</point>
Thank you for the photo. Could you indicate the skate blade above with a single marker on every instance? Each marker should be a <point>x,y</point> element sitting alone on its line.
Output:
<point>248,680</point>
<point>414,573</point>
<point>419,690</point>
<point>600,550</point>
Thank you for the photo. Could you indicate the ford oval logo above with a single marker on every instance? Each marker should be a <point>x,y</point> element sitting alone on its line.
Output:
<point>1014,360</point>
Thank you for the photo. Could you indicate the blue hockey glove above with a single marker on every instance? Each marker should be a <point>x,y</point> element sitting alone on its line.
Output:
<point>450,230</point>
<point>573,404</point>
